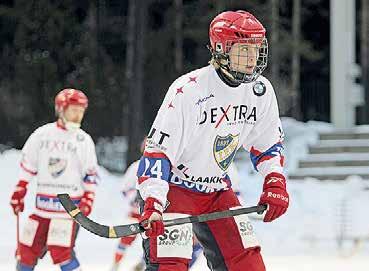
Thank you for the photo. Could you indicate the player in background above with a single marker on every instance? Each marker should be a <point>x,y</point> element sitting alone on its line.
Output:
<point>62,159</point>
<point>129,191</point>
<point>206,116</point>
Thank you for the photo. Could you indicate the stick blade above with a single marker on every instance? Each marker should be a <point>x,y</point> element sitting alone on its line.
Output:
<point>81,219</point>
<point>94,227</point>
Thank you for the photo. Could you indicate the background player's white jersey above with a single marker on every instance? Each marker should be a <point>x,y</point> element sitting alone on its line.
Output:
<point>129,182</point>
<point>62,162</point>
<point>201,124</point>
<point>235,177</point>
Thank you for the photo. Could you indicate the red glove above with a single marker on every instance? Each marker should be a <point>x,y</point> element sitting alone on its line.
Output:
<point>275,196</point>
<point>151,218</point>
<point>86,203</point>
<point>17,199</point>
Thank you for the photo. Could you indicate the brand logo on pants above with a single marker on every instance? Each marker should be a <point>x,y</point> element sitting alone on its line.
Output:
<point>180,237</point>
<point>246,228</point>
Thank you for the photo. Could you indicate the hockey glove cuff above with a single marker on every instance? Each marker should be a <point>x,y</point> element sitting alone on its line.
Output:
<point>151,218</point>
<point>17,199</point>
<point>86,203</point>
<point>275,196</point>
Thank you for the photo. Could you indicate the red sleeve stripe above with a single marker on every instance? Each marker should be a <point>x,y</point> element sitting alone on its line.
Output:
<point>255,151</point>
<point>155,155</point>
<point>142,179</point>
<point>268,157</point>
<point>28,170</point>
<point>265,158</point>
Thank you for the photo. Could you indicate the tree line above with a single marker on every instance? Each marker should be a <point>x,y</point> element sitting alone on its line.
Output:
<point>125,54</point>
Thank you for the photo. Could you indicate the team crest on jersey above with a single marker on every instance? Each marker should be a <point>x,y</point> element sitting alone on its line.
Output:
<point>224,150</point>
<point>259,88</point>
<point>57,166</point>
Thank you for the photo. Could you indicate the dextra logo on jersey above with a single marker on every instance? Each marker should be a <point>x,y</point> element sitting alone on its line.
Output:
<point>51,203</point>
<point>229,115</point>
<point>224,150</point>
<point>57,166</point>
<point>58,145</point>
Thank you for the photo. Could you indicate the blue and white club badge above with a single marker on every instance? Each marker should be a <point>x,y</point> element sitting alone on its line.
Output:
<point>259,88</point>
<point>57,166</point>
<point>224,150</point>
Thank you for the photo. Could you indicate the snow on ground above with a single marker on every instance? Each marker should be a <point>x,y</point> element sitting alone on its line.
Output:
<point>305,239</point>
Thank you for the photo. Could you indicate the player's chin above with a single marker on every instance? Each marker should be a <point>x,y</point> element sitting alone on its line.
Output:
<point>76,121</point>
<point>249,71</point>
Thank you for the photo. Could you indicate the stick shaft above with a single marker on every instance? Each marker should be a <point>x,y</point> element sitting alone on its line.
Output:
<point>17,252</point>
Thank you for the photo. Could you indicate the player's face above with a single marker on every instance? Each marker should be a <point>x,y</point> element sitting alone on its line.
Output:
<point>243,57</point>
<point>74,113</point>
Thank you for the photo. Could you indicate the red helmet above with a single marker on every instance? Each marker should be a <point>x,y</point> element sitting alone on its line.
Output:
<point>70,96</point>
<point>234,25</point>
<point>240,26</point>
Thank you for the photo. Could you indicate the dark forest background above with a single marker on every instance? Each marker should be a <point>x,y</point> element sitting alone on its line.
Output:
<point>125,54</point>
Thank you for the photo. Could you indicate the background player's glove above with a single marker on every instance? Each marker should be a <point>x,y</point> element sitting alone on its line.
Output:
<point>86,203</point>
<point>151,218</point>
<point>17,199</point>
<point>275,195</point>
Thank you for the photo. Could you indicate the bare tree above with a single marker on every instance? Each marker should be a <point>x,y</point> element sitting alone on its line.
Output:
<point>295,69</point>
<point>92,34</point>
<point>130,80</point>
<point>274,38</point>
<point>178,6</point>
<point>220,6</point>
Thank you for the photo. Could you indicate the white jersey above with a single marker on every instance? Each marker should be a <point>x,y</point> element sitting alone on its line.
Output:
<point>129,181</point>
<point>62,162</point>
<point>201,124</point>
<point>235,177</point>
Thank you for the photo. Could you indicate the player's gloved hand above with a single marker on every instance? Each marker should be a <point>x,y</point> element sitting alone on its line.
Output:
<point>275,196</point>
<point>17,199</point>
<point>151,218</point>
<point>86,203</point>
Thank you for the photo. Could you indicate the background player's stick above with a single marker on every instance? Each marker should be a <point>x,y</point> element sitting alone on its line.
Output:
<point>126,230</point>
<point>17,252</point>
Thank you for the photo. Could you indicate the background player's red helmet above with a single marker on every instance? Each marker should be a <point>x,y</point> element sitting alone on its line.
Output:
<point>70,96</point>
<point>239,26</point>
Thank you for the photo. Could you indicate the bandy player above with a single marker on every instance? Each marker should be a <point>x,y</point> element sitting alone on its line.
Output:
<point>62,158</point>
<point>129,191</point>
<point>206,116</point>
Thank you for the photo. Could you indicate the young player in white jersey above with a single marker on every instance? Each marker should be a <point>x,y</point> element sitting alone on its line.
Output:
<point>62,159</point>
<point>206,116</point>
<point>129,191</point>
